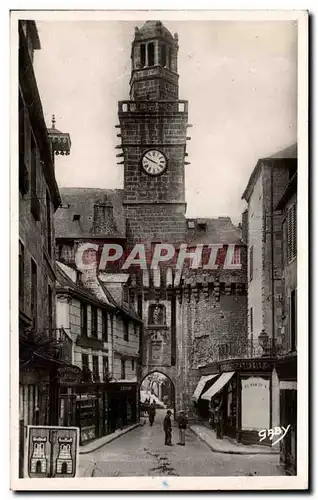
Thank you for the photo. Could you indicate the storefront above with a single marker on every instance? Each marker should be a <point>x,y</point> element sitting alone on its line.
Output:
<point>287,374</point>
<point>202,406</point>
<point>240,398</point>
<point>122,406</point>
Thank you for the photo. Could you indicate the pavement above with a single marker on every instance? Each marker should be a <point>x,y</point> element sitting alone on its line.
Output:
<point>142,452</point>
<point>230,446</point>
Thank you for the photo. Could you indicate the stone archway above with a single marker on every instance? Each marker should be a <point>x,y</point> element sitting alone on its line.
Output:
<point>164,398</point>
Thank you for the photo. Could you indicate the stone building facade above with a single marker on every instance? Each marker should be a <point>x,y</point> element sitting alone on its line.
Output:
<point>186,316</point>
<point>39,198</point>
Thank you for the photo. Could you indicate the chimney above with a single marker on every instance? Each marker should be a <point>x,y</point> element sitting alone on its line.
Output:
<point>104,223</point>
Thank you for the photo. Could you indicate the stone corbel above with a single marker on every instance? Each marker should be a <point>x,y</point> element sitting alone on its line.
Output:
<point>63,297</point>
<point>196,293</point>
<point>206,291</point>
<point>179,295</point>
<point>228,289</point>
<point>187,293</point>
<point>217,290</point>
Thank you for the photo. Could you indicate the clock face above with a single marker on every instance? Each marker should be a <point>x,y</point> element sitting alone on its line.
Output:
<point>154,162</point>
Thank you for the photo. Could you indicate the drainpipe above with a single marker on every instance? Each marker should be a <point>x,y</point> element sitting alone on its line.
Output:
<point>272,259</point>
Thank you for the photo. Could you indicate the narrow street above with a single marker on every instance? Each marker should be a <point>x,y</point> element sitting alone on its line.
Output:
<point>142,452</point>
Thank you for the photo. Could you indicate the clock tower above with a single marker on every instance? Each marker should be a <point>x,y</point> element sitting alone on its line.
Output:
<point>153,131</point>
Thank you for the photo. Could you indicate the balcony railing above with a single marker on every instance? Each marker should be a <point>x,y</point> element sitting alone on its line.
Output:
<point>153,106</point>
<point>247,349</point>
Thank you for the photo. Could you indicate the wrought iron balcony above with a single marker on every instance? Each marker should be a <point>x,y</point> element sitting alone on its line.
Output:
<point>247,349</point>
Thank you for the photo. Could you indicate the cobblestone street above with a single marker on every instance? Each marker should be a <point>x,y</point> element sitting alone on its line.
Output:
<point>142,452</point>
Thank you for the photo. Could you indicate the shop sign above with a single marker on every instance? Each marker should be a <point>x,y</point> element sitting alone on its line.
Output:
<point>52,451</point>
<point>126,388</point>
<point>69,375</point>
<point>247,365</point>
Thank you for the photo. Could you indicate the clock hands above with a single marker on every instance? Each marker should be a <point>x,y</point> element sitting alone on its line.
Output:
<point>147,158</point>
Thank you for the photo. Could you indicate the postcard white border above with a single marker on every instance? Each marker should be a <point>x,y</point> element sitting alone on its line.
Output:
<point>298,482</point>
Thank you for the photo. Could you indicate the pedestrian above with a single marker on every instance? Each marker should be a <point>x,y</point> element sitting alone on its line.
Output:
<point>182,424</point>
<point>218,419</point>
<point>167,428</point>
<point>152,413</point>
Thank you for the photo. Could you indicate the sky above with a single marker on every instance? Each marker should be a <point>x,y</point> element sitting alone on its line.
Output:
<point>240,78</point>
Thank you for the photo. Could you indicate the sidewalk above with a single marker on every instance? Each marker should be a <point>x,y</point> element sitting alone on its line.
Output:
<point>226,445</point>
<point>98,443</point>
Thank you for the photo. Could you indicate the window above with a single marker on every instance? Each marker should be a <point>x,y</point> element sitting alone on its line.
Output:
<point>163,55</point>
<point>202,226</point>
<point>76,217</point>
<point>291,232</point>
<point>95,369</point>
<point>133,365</point>
<point>104,326</point>
<point>251,319</point>
<point>123,371</point>
<point>33,165</point>
<point>50,310</point>
<point>293,320</point>
<point>126,330</point>
<point>151,54</point>
<point>251,263</point>
<point>34,292</point>
<point>170,58</point>
<point>135,328</point>
<point>142,55</point>
<point>23,172</point>
<point>105,367</point>
<point>84,320</point>
<point>48,224</point>
<point>85,364</point>
<point>94,322</point>
<point>21,275</point>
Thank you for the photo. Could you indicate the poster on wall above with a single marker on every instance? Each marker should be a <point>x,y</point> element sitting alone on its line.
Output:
<point>255,403</point>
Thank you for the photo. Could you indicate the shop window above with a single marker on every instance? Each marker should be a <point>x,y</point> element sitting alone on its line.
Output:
<point>292,232</point>
<point>95,369</point>
<point>34,293</point>
<point>151,54</point>
<point>142,55</point>
<point>84,320</point>
<point>250,259</point>
<point>104,326</point>
<point>156,315</point>
<point>126,330</point>
<point>123,369</point>
<point>94,322</point>
<point>21,276</point>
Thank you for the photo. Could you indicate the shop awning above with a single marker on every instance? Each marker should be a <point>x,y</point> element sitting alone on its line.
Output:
<point>218,385</point>
<point>201,384</point>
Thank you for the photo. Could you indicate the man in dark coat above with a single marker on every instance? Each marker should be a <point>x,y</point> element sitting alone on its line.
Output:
<point>182,424</point>
<point>167,428</point>
<point>152,413</point>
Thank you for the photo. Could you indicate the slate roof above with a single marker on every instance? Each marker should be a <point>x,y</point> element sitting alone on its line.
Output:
<point>64,281</point>
<point>219,230</point>
<point>289,153</point>
<point>81,201</point>
<point>152,29</point>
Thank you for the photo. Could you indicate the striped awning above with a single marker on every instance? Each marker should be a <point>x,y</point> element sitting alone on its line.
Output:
<point>218,385</point>
<point>201,384</point>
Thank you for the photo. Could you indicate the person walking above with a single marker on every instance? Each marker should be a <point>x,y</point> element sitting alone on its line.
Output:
<point>152,413</point>
<point>182,424</point>
<point>167,428</point>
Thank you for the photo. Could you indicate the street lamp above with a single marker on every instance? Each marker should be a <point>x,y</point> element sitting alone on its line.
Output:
<point>263,341</point>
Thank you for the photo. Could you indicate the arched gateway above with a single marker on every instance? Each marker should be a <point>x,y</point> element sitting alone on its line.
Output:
<point>157,388</point>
